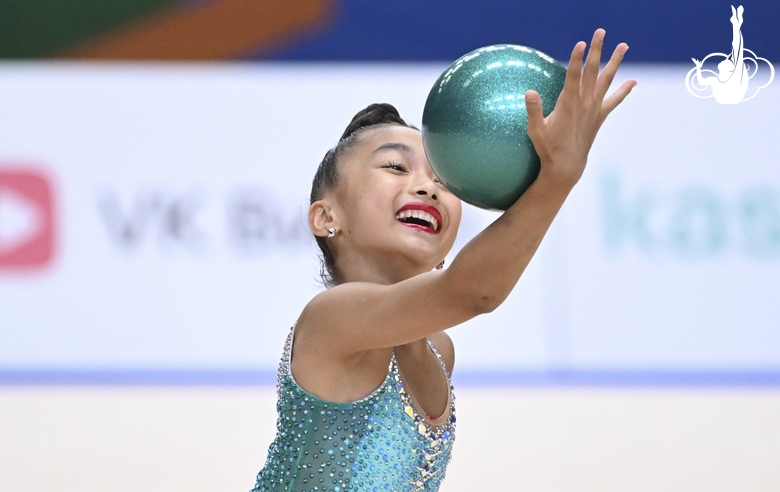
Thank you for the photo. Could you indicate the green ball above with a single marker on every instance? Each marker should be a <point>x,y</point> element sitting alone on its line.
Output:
<point>474,125</point>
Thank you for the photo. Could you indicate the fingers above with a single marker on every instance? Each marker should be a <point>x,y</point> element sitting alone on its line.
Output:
<point>615,99</point>
<point>608,74</point>
<point>585,83</point>
<point>533,104</point>
<point>591,70</point>
<point>574,72</point>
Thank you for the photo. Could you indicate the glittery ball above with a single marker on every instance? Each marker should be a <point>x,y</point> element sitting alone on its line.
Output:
<point>475,122</point>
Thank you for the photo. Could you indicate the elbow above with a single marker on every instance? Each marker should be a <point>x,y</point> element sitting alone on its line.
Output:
<point>488,304</point>
<point>484,303</point>
<point>474,297</point>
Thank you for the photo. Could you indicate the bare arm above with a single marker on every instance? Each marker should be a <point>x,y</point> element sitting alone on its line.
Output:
<point>355,317</point>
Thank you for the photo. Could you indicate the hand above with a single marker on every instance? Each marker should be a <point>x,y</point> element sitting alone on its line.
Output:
<point>696,62</point>
<point>565,137</point>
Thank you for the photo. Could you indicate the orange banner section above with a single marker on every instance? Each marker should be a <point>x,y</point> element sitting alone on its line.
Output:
<point>218,30</point>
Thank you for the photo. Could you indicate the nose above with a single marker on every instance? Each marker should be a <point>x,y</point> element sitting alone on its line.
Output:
<point>425,193</point>
<point>425,184</point>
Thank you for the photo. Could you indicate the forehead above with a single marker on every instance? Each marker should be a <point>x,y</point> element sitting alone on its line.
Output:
<point>382,142</point>
<point>379,137</point>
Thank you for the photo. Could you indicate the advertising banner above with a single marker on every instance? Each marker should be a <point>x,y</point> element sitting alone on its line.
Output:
<point>153,224</point>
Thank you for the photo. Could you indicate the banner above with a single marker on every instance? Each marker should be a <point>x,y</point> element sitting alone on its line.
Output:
<point>152,218</point>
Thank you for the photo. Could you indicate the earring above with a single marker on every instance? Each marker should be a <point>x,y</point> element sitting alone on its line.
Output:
<point>440,265</point>
<point>331,232</point>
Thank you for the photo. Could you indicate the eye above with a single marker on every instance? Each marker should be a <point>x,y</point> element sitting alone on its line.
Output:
<point>395,166</point>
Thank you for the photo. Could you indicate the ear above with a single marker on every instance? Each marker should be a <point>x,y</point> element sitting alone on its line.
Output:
<point>321,217</point>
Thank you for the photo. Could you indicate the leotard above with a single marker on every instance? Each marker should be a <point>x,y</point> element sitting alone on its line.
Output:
<point>381,442</point>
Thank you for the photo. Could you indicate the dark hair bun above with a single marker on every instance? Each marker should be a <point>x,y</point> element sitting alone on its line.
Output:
<point>374,114</point>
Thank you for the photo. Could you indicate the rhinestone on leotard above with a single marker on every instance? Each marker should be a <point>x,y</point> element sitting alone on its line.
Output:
<point>378,443</point>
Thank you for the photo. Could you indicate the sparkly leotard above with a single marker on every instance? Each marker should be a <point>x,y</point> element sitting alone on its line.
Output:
<point>381,442</point>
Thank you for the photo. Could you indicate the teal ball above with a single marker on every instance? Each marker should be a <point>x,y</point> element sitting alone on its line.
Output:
<point>474,125</point>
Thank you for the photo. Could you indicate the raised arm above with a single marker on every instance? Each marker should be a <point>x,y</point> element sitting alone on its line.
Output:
<point>357,316</point>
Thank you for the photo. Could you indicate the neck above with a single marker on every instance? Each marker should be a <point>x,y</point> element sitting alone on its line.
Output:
<point>383,271</point>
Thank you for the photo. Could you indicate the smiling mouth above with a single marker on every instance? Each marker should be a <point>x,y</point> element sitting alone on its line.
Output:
<point>419,218</point>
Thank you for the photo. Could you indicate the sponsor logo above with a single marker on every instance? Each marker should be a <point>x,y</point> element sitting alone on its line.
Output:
<point>693,222</point>
<point>255,220</point>
<point>26,218</point>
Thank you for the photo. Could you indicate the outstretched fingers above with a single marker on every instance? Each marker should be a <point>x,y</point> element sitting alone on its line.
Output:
<point>563,139</point>
<point>574,72</point>
<point>608,74</point>
<point>591,71</point>
<point>617,97</point>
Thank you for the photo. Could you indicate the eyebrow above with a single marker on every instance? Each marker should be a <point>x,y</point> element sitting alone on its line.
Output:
<point>393,146</point>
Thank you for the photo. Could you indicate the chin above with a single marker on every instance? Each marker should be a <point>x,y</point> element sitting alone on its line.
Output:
<point>422,258</point>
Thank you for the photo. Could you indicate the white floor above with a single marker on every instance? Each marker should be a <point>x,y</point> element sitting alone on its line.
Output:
<point>214,439</point>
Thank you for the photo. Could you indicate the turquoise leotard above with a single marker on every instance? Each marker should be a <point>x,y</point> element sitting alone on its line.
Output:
<point>381,442</point>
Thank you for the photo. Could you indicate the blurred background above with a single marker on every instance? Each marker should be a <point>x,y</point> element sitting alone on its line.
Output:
<point>155,162</point>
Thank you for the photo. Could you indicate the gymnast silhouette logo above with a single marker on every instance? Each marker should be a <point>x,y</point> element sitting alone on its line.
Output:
<point>730,84</point>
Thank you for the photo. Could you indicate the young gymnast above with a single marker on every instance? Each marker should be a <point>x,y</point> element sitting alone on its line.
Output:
<point>364,397</point>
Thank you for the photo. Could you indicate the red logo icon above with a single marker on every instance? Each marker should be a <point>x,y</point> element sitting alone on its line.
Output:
<point>26,218</point>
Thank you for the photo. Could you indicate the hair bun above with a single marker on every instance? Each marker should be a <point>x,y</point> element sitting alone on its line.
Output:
<point>374,114</point>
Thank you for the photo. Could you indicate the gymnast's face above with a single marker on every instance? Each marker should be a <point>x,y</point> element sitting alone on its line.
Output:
<point>391,208</point>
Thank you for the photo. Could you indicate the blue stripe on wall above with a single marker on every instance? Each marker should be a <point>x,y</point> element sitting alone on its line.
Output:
<point>220,378</point>
<point>659,31</point>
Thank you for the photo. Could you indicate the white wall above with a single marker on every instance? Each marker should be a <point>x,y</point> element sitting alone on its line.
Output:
<point>641,350</point>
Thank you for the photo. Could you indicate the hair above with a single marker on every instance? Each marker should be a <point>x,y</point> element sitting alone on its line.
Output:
<point>327,176</point>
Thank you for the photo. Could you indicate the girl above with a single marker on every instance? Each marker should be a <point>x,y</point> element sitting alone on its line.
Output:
<point>364,397</point>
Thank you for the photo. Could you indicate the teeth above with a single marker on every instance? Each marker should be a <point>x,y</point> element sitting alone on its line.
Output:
<point>419,214</point>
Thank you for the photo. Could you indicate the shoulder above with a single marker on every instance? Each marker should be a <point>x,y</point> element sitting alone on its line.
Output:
<point>446,349</point>
<point>354,318</point>
<point>331,302</point>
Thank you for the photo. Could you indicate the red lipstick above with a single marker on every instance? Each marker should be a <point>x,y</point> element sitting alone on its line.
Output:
<point>420,216</point>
